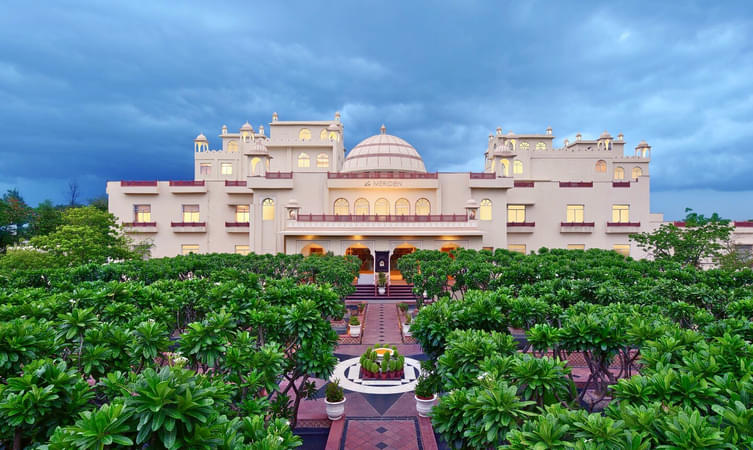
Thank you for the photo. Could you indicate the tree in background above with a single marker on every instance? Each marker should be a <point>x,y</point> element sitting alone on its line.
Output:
<point>702,238</point>
<point>14,214</point>
<point>46,217</point>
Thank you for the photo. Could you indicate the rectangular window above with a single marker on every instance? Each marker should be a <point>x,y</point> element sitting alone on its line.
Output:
<point>574,213</point>
<point>576,246</point>
<point>622,249</point>
<point>520,248</point>
<point>189,248</point>
<point>242,249</point>
<point>241,213</point>
<point>143,213</point>
<point>620,213</point>
<point>205,168</point>
<point>491,249</point>
<point>226,168</point>
<point>190,213</point>
<point>516,213</point>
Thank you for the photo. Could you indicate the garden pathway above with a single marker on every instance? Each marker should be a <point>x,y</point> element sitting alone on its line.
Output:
<point>381,324</point>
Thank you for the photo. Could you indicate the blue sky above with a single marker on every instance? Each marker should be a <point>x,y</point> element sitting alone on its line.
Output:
<point>118,90</point>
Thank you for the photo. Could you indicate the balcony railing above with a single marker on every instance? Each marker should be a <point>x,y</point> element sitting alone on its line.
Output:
<point>623,224</point>
<point>391,174</point>
<point>521,224</point>
<point>138,183</point>
<point>678,223</point>
<point>186,183</point>
<point>576,184</point>
<point>237,224</point>
<point>375,218</point>
<point>188,224</point>
<point>482,176</point>
<point>279,175</point>
<point>139,224</point>
<point>235,183</point>
<point>744,223</point>
<point>577,224</point>
<point>523,184</point>
<point>621,184</point>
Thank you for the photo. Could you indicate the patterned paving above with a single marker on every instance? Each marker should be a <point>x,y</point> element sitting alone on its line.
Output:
<point>382,324</point>
<point>348,373</point>
<point>400,433</point>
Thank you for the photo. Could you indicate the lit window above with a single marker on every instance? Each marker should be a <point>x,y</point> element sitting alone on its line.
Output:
<point>361,207</point>
<point>333,136</point>
<point>190,213</point>
<point>254,162</point>
<point>226,168</point>
<point>304,160</point>
<point>601,166</point>
<point>143,213</point>
<point>242,250</point>
<point>516,213</point>
<point>619,173</point>
<point>517,167</point>
<point>205,168</point>
<point>232,146</point>
<point>242,213</point>
<point>381,207</point>
<point>185,249</point>
<point>486,209</point>
<point>342,207</point>
<point>322,160</point>
<point>576,246</point>
<point>637,172</point>
<point>505,167</point>
<point>622,249</point>
<point>520,248</point>
<point>540,146</point>
<point>620,213</point>
<point>574,213</point>
<point>304,134</point>
<point>268,209</point>
<point>423,207</point>
<point>402,207</point>
<point>525,146</point>
<point>323,135</point>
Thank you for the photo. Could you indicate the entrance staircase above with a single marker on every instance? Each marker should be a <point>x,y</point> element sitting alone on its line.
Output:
<point>396,292</point>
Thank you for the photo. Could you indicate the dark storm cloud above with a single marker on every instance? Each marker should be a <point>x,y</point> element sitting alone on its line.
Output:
<point>97,91</point>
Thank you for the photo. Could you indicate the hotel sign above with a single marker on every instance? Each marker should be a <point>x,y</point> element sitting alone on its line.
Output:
<point>383,183</point>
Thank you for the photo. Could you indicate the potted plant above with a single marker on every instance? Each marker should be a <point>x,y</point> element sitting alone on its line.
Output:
<point>335,400</point>
<point>406,326</point>
<point>355,326</point>
<point>401,366</point>
<point>382,283</point>
<point>425,396</point>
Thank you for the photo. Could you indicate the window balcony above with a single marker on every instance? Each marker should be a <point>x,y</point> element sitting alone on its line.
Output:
<point>271,180</point>
<point>577,227</point>
<point>489,180</point>
<point>576,184</point>
<point>621,184</point>
<point>140,227</point>
<point>431,225</point>
<point>237,227</point>
<point>520,227</point>
<point>237,187</point>
<point>188,187</point>
<point>745,226</point>
<point>189,227</point>
<point>623,227</point>
<point>139,187</point>
<point>523,184</point>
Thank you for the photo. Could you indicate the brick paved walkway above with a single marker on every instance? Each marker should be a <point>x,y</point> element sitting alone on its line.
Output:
<point>367,433</point>
<point>381,324</point>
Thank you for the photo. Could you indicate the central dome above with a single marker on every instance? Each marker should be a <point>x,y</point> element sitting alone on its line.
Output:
<point>383,152</point>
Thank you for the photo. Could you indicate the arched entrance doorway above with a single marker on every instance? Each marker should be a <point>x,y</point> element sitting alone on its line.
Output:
<point>364,254</point>
<point>312,249</point>
<point>448,248</point>
<point>397,253</point>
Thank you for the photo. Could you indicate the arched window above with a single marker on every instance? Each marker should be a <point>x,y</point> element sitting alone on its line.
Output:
<point>304,160</point>
<point>254,163</point>
<point>361,207</point>
<point>637,172</point>
<point>524,146</point>
<point>601,166</point>
<point>323,134</point>
<point>505,167</point>
<point>540,146</point>
<point>517,167</point>
<point>322,160</point>
<point>268,209</point>
<point>304,134</point>
<point>232,146</point>
<point>402,207</point>
<point>619,173</point>
<point>333,136</point>
<point>423,207</point>
<point>381,207</point>
<point>486,209</point>
<point>342,207</point>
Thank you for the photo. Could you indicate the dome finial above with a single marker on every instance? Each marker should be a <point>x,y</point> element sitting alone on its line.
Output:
<point>383,129</point>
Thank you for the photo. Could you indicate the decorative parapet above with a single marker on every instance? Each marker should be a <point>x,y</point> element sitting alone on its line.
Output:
<point>139,187</point>
<point>523,184</point>
<point>237,227</point>
<point>140,227</point>
<point>520,227</point>
<point>187,187</point>
<point>577,227</point>
<point>382,175</point>
<point>189,227</point>
<point>623,227</point>
<point>621,184</point>
<point>576,184</point>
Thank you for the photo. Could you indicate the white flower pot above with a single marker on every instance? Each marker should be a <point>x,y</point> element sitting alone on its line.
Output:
<point>335,410</point>
<point>424,406</point>
<point>355,330</point>
<point>406,330</point>
<point>382,290</point>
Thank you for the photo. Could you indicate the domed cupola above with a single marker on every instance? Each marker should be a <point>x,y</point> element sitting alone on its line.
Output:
<point>383,152</point>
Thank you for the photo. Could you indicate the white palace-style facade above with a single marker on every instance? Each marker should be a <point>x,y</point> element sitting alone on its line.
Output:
<point>297,191</point>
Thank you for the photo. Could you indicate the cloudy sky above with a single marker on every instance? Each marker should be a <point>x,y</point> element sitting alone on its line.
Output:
<point>117,90</point>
